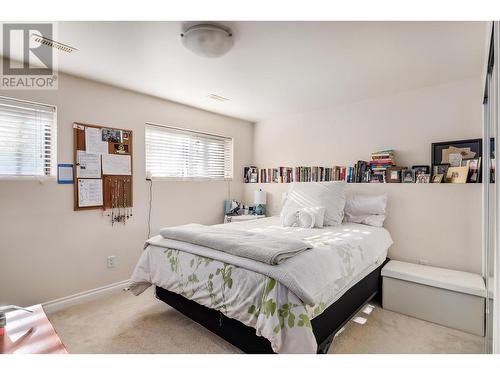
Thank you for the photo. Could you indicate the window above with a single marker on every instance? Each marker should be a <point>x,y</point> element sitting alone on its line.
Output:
<point>27,138</point>
<point>180,153</point>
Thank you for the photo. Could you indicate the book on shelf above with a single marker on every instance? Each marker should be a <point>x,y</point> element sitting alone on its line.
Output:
<point>295,174</point>
<point>381,161</point>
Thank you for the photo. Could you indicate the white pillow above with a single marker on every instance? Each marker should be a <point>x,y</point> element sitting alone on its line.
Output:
<point>308,217</point>
<point>330,195</point>
<point>371,220</point>
<point>366,209</point>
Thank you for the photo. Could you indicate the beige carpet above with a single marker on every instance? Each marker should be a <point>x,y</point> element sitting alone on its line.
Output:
<point>122,323</point>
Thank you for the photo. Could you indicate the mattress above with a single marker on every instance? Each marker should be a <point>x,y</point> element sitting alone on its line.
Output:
<point>257,300</point>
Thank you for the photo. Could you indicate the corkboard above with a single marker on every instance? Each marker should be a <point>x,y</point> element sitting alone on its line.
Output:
<point>117,189</point>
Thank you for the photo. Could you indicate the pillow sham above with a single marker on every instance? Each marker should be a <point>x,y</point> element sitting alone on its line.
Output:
<point>330,195</point>
<point>307,217</point>
<point>371,220</point>
<point>366,209</point>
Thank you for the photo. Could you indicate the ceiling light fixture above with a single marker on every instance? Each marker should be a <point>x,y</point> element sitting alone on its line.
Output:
<point>207,40</point>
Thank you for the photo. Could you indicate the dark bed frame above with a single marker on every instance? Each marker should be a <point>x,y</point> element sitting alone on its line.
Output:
<point>324,326</point>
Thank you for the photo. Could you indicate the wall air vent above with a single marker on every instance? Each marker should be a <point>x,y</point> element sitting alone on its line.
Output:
<point>52,43</point>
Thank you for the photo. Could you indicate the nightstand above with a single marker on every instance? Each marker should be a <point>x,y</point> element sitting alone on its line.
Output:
<point>238,218</point>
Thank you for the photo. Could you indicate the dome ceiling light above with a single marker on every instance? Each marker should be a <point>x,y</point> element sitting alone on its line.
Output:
<point>207,40</point>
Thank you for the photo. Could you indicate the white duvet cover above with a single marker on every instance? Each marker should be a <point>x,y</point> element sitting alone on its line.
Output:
<point>257,299</point>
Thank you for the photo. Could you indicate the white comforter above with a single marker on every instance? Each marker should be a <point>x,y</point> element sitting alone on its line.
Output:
<point>249,293</point>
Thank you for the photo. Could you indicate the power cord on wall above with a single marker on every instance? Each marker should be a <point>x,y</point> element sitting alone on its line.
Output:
<point>148,178</point>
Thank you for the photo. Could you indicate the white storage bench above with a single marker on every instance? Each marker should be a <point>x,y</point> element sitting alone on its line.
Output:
<point>451,298</point>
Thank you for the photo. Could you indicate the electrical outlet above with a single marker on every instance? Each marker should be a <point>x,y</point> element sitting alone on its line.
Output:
<point>111,261</point>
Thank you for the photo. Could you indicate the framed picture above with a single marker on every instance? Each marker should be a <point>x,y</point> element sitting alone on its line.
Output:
<point>393,175</point>
<point>437,178</point>
<point>440,169</point>
<point>408,176</point>
<point>468,149</point>
<point>457,175</point>
<point>423,178</point>
<point>421,169</point>
<point>250,175</point>
<point>474,170</point>
<point>446,152</point>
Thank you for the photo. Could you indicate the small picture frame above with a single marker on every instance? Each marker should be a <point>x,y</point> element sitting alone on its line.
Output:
<point>423,178</point>
<point>408,176</point>
<point>421,169</point>
<point>440,169</point>
<point>393,175</point>
<point>437,178</point>
<point>111,135</point>
<point>457,175</point>
<point>474,170</point>
<point>121,148</point>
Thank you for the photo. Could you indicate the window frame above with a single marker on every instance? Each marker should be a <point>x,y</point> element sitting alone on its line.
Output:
<point>54,150</point>
<point>191,178</point>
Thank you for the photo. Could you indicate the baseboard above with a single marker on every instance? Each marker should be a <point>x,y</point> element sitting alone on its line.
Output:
<point>86,296</point>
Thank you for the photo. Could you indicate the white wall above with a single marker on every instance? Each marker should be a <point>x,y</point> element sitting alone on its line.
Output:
<point>437,223</point>
<point>49,251</point>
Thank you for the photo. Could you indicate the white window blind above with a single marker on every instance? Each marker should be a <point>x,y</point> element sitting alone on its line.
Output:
<point>27,138</point>
<point>179,153</point>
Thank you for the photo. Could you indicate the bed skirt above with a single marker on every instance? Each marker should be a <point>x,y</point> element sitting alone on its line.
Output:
<point>324,326</point>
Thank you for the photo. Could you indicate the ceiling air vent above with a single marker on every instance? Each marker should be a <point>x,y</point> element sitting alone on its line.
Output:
<point>52,43</point>
<point>218,97</point>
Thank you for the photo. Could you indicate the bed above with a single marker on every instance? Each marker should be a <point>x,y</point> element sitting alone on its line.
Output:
<point>256,311</point>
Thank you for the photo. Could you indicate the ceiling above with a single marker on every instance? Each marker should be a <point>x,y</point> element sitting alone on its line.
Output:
<point>275,68</point>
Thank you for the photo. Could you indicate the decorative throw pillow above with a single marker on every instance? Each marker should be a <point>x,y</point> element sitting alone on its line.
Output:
<point>307,217</point>
<point>366,209</point>
<point>330,195</point>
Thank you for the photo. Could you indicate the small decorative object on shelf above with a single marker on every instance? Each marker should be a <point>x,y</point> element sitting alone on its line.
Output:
<point>421,169</point>
<point>457,175</point>
<point>474,169</point>
<point>437,178</point>
<point>251,175</point>
<point>441,169</point>
<point>423,178</point>
<point>260,199</point>
<point>408,176</point>
<point>393,175</point>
